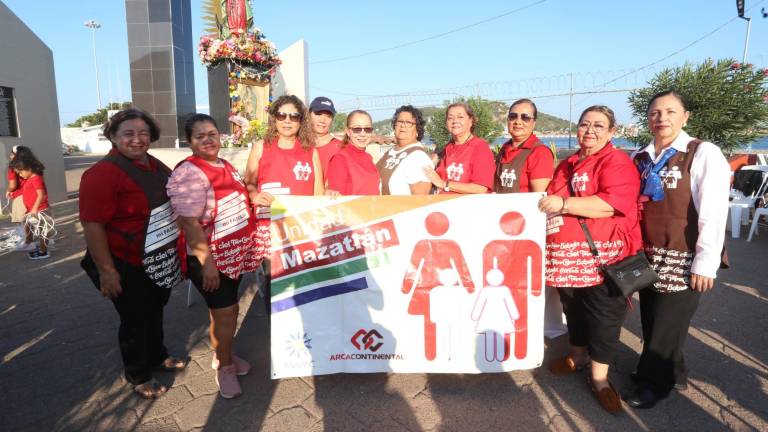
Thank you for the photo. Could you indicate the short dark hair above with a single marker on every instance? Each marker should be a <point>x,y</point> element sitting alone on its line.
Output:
<point>527,101</point>
<point>193,119</point>
<point>672,93</point>
<point>111,126</point>
<point>420,123</point>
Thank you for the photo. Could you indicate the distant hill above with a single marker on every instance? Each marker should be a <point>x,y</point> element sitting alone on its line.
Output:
<point>545,124</point>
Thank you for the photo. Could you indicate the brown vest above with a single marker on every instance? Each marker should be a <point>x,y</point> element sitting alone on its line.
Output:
<point>507,178</point>
<point>671,226</point>
<point>387,165</point>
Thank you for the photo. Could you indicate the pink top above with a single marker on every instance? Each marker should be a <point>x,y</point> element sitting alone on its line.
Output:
<point>191,193</point>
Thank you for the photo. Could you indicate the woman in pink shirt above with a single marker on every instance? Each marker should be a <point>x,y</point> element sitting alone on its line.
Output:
<point>351,170</point>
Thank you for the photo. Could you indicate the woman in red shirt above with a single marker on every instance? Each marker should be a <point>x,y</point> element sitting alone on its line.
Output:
<point>351,170</point>
<point>596,185</point>
<point>466,164</point>
<point>131,236</point>
<point>524,163</point>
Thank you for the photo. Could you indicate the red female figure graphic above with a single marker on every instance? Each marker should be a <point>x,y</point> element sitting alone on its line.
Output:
<point>513,257</point>
<point>429,258</point>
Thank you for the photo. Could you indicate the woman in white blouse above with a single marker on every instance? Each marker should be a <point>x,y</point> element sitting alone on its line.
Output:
<point>684,205</point>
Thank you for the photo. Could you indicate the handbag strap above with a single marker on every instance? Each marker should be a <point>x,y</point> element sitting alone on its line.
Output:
<point>587,234</point>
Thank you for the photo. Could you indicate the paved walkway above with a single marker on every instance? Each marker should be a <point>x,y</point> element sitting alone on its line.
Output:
<point>60,367</point>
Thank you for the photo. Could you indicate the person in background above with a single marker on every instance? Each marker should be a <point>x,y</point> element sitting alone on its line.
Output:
<point>351,171</point>
<point>402,169</point>
<point>13,192</point>
<point>524,164</point>
<point>466,163</point>
<point>599,186</point>
<point>206,193</point>
<point>321,112</point>
<point>35,198</point>
<point>684,211</point>
<point>131,258</point>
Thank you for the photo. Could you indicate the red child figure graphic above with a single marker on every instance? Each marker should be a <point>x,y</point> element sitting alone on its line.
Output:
<point>513,256</point>
<point>429,258</point>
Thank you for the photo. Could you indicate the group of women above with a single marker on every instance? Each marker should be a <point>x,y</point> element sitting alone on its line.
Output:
<point>667,199</point>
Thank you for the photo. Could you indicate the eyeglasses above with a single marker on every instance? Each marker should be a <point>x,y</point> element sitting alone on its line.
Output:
<point>405,124</point>
<point>524,117</point>
<point>598,128</point>
<point>358,130</point>
<point>294,116</point>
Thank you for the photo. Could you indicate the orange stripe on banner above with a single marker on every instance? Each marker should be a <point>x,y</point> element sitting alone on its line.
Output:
<point>343,216</point>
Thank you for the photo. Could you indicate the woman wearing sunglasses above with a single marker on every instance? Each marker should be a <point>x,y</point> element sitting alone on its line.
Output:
<point>351,170</point>
<point>598,186</point>
<point>285,162</point>
<point>466,163</point>
<point>524,164</point>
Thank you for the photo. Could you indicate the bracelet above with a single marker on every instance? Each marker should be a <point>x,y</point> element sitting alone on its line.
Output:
<point>446,187</point>
<point>564,209</point>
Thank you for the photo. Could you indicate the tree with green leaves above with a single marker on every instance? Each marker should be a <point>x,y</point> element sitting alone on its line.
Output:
<point>339,124</point>
<point>728,101</point>
<point>100,116</point>
<point>486,127</point>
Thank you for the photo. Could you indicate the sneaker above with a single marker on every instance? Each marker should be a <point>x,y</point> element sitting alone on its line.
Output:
<point>226,379</point>
<point>242,366</point>
<point>37,255</point>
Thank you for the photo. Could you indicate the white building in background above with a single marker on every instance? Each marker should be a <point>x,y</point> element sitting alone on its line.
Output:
<point>29,113</point>
<point>88,139</point>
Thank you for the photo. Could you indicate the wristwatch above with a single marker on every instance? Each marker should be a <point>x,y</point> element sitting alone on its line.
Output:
<point>447,188</point>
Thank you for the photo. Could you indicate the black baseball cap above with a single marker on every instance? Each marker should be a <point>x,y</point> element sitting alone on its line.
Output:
<point>322,103</point>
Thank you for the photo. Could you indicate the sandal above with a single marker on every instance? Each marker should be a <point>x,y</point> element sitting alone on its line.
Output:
<point>151,389</point>
<point>172,364</point>
<point>565,366</point>
<point>608,398</point>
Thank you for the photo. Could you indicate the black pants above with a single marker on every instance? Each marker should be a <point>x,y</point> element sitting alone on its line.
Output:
<point>665,318</point>
<point>140,307</point>
<point>595,316</point>
<point>223,297</point>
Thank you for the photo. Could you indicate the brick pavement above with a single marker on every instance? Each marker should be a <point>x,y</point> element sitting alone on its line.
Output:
<point>60,367</point>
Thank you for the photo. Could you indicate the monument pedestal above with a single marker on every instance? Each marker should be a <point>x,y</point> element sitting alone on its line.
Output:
<point>249,97</point>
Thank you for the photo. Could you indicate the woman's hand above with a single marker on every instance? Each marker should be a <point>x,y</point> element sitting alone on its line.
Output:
<point>434,177</point>
<point>263,199</point>
<point>332,193</point>
<point>701,283</point>
<point>109,283</point>
<point>210,276</point>
<point>551,204</point>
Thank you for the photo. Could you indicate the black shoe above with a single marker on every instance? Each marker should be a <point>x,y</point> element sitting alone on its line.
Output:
<point>643,398</point>
<point>679,386</point>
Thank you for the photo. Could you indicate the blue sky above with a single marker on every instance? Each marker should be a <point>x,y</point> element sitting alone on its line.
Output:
<point>529,53</point>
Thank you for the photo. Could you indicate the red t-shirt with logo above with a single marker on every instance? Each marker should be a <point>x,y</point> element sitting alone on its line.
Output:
<point>286,171</point>
<point>326,152</point>
<point>351,171</point>
<point>610,175</point>
<point>471,162</point>
<point>108,196</point>
<point>19,182</point>
<point>29,192</point>
<point>540,163</point>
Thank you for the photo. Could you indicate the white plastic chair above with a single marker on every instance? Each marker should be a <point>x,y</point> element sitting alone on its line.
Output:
<point>741,202</point>
<point>762,211</point>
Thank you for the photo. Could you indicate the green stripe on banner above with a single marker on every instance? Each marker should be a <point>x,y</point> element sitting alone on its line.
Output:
<point>347,268</point>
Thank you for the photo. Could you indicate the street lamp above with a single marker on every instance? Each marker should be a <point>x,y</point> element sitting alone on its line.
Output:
<point>93,25</point>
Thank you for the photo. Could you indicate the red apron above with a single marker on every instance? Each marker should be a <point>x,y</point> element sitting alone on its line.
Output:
<point>231,232</point>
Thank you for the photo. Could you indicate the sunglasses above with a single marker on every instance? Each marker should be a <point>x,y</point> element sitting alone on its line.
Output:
<point>361,129</point>
<point>294,116</point>
<point>524,117</point>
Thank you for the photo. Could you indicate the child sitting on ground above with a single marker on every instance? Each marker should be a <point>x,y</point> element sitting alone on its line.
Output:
<point>35,198</point>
